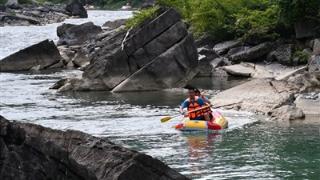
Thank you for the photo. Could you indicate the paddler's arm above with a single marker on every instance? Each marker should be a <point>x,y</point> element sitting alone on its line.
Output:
<point>183,105</point>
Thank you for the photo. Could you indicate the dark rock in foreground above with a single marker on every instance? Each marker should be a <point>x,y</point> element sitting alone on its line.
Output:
<point>38,56</point>
<point>34,152</point>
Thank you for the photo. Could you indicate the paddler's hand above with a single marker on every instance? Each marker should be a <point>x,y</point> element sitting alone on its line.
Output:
<point>184,112</point>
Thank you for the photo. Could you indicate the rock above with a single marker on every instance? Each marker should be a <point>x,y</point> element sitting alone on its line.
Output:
<point>314,63</point>
<point>305,28</point>
<point>70,34</point>
<point>75,8</point>
<point>287,112</point>
<point>60,64</point>
<point>209,53</point>
<point>158,55</point>
<point>237,50</point>
<point>80,59</point>
<point>223,48</point>
<point>287,75</point>
<point>19,19</point>
<point>253,53</point>
<point>283,54</point>
<point>306,82</point>
<point>316,47</point>
<point>114,24</point>
<point>40,153</point>
<point>309,104</point>
<point>44,53</point>
<point>258,95</point>
<point>66,53</point>
<point>207,66</point>
<point>241,70</point>
<point>158,75</point>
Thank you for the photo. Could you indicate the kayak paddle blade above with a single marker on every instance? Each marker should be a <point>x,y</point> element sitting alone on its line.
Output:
<point>165,119</point>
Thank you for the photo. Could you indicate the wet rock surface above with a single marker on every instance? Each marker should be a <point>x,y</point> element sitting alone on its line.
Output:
<point>31,151</point>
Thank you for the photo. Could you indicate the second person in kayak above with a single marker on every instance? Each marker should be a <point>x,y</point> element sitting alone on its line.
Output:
<point>192,103</point>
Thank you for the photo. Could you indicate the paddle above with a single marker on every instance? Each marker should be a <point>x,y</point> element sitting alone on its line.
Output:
<point>165,119</point>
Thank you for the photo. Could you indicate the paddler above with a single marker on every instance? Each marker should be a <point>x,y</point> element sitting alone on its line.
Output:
<point>194,102</point>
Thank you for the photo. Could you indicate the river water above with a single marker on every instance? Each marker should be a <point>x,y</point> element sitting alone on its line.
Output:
<point>251,148</point>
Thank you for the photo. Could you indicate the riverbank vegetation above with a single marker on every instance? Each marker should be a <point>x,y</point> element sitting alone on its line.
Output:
<point>246,19</point>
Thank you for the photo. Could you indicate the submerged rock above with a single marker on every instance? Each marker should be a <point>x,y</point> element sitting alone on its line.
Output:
<point>37,153</point>
<point>42,54</point>
<point>160,54</point>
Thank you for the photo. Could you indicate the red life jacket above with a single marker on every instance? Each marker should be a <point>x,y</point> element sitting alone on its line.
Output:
<point>193,105</point>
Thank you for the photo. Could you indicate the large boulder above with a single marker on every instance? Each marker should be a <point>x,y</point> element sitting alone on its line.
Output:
<point>70,34</point>
<point>270,96</point>
<point>282,54</point>
<point>42,54</point>
<point>258,95</point>
<point>253,53</point>
<point>37,153</point>
<point>160,54</point>
<point>75,8</point>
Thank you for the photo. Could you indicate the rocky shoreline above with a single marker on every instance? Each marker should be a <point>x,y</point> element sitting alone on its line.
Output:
<point>15,14</point>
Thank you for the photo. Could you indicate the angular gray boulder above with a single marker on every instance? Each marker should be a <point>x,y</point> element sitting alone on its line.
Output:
<point>70,34</point>
<point>43,54</point>
<point>253,53</point>
<point>37,153</point>
<point>157,55</point>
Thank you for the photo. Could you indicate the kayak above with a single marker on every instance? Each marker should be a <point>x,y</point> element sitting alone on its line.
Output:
<point>218,122</point>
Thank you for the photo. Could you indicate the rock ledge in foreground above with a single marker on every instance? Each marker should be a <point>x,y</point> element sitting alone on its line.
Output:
<point>40,153</point>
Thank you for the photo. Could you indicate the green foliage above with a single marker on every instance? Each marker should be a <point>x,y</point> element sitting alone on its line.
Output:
<point>257,23</point>
<point>301,56</point>
<point>141,16</point>
<point>225,19</point>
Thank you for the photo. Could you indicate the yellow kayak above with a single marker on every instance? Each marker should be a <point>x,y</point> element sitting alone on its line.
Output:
<point>218,122</point>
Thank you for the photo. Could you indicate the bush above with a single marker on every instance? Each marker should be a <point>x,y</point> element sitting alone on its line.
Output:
<point>140,17</point>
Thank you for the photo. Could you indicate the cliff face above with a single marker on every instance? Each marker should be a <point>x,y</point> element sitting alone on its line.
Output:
<point>29,151</point>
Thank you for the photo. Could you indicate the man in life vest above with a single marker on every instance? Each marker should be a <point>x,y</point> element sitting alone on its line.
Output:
<point>193,103</point>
